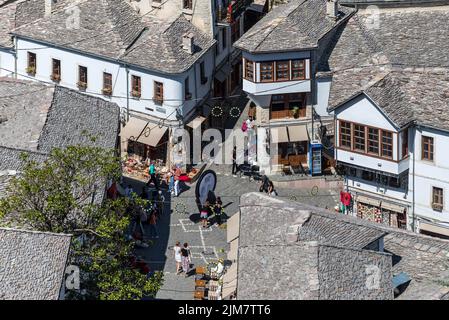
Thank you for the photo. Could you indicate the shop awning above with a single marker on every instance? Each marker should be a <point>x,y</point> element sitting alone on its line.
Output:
<point>368,200</point>
<point>433,228</point>
<point>229,281</point>
<point>146,133</point>
<point>233,227</point>
<point>279,135</point>
<point>298,133</point>
<point>195,123</point>
<point>393,207</point>
<point>233,252</point>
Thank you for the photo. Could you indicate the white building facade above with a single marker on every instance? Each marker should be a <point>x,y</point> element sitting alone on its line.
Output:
<point>397,176</point>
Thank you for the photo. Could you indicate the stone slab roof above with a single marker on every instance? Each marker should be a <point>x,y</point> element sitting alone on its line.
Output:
<point>309,271</point>
<point>296,25</point>
<point>11,163</point>
<point>23,111</point>
<point>420,97</point>
<point>74,116</point>
<point>276,216</point>
<point>267,242</point>
<point>113,30</point>
<point>32,264</point>
<point>160,47</point>
<point>7,23</point>
<point>41,117</point>
<point>402,63</point>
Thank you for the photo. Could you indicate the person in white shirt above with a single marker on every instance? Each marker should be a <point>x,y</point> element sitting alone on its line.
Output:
<point>178,259</point>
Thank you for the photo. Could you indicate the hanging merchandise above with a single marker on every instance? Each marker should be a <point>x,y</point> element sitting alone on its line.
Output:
<point>345,198</point>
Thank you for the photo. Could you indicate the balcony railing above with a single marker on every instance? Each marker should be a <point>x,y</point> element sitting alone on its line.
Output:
<point>287,114</point>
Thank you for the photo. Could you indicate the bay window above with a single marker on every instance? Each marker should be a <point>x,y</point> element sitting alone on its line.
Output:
<point>367,140</point>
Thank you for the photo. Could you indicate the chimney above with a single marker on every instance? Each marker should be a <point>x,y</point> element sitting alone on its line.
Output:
<point>332,8</point>
<point>187,43</point>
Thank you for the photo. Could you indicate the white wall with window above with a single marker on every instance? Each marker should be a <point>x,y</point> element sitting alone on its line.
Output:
<point>371,142</point>
<point>431,175</point>
<point>73,66</point>
<point>6,62</point>
<point>420,152</point>
<point>276,73</point>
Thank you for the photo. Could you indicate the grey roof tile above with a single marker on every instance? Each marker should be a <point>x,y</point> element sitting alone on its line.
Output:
<point>296,25</point>
<point>113,30</point>
<point>75,117</point>
<point>32,264</point>
<point>41,117</point>
<point>160,47</point>
<point>402,65</point>
<point>266,255</point>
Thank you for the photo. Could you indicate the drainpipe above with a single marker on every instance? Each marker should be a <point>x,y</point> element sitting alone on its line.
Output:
<point>413,196</point>
<point>127,93</point>
<point>15,58</point>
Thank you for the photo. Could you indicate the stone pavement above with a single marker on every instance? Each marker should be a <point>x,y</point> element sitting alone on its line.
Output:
<point>180,223</point>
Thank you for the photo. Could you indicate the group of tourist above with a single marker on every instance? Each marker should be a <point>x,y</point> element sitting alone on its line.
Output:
<point>216,210</point>
<point>148,215</point>
<point>183,258</point>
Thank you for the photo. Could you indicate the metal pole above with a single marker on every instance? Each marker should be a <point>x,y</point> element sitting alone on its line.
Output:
<point>127,93</point>
<point>413,196</point>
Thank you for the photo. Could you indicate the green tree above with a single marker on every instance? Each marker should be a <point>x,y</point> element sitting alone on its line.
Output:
<point>64,194</point>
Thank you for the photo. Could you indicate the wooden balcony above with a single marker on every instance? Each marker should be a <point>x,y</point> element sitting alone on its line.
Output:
<point>286,114</point>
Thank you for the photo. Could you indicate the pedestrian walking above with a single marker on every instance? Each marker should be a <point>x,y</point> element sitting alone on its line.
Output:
<point>153,178</point>
<point>234,160</point>
<point>186,259</point>
<point>178,259</point>
<point>177,176</point>
<point>171,181</point>
<point>204,214</point>
<point>152,223</point>
<point>129,191</point>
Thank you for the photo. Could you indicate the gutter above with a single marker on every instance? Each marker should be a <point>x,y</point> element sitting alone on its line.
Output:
<point>86,53</point>
<point>413,182</point>
<point>15,58</point>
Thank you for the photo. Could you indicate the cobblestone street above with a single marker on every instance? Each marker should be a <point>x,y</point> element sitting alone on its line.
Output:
<point>180,223</point>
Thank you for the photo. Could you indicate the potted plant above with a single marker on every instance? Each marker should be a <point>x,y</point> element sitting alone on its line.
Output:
<point>31,70</point>
<point>82,85</point>
<point>107,91</point>
<point>295,112</point>
<point>135,94</point>
<point>56,77</point>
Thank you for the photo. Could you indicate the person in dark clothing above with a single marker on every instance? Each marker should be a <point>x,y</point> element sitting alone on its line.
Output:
<point>234,161</point>
<point>264,184</point>
<point>218,210</point>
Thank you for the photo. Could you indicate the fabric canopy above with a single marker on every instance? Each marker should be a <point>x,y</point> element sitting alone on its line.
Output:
<point>392,207</point>
<point>433,228</point>
<point>367,200</point>
<point>229,281</point>
<point>298,133</point>
<point>233,252</point>
<point>233,227</point>
<point>279,135</point>
<point>141,131</point>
